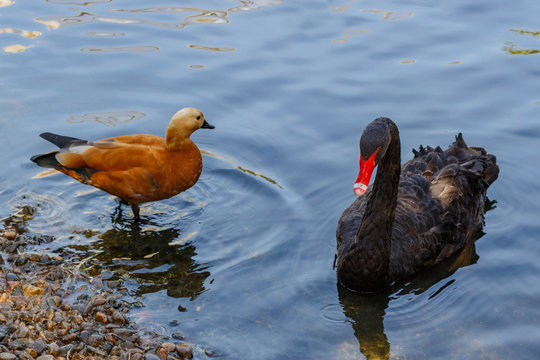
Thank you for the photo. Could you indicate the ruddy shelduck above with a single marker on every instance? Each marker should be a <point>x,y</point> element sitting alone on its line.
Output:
<point>136,168</point>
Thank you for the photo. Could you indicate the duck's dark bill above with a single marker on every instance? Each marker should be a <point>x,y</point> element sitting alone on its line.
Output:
<point>206,125</point>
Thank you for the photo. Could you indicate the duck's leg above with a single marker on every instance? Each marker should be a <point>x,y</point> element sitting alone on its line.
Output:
<point>135,209</point>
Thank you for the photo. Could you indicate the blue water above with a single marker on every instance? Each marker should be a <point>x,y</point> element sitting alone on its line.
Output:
<point>243,260</point>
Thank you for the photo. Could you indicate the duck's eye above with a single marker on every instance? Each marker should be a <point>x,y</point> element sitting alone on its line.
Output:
<point>199,117</point>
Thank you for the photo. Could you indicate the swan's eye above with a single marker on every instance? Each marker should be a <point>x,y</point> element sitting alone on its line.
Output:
<point>198,117</point>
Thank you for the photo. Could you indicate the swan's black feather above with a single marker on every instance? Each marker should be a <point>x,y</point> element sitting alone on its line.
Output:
<point>440,207</point>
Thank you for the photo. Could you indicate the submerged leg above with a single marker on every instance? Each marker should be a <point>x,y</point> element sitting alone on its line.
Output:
<point>135,209</point>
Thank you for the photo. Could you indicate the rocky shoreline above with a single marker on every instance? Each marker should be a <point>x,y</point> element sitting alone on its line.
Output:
<point>50,308</point>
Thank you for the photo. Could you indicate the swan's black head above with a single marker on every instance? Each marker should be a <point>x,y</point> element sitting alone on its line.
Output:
<point>373,145</point>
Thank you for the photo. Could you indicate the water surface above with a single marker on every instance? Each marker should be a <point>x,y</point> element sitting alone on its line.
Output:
<point>243,260</point>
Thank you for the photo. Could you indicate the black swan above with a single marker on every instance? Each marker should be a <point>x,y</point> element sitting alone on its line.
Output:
<point>415,215</point>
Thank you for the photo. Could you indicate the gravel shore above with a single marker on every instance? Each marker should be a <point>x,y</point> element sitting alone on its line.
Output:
<point>51,309</point>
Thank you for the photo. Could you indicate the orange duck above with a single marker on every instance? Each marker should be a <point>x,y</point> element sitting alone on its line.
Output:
<point>136,168</point>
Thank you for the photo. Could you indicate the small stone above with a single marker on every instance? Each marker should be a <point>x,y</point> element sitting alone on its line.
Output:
<point>32,353</point>
<point>54,349</point>
<point>209,353</point>
<point>169,347</point>
<point>95,340</point>
<point>70,338</point>
<point>12,277</point>
<point>87,325</point>
<point>46,357</point>
<point>101,317</point>
<point>84,335</point>
<point>123,332</point>
<point>7,356</point>
<point>178,336</point>
<point>97,351</point>
<point>32,290</point>
<point>118,317</point>
<point>163,354</point>
<point>184,350</point>
<point>150,356</point>
<point>65,349</point>
<point>39,346</point>
<point>10,234</point>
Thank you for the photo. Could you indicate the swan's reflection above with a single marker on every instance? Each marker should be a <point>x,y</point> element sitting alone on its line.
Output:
<point>366,311</point>
<point>151,256</point>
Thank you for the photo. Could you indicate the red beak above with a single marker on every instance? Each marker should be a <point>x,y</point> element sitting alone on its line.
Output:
<point>366,169</point>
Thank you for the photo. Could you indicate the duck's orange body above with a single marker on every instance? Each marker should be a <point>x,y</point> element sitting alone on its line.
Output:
<point>136,168</point>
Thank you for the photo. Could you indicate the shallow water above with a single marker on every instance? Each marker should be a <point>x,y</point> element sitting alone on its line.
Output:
<point>243,260</point>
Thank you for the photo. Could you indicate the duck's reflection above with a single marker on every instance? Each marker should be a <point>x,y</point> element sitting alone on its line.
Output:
<point>366,311</point>
<point>147,256</point>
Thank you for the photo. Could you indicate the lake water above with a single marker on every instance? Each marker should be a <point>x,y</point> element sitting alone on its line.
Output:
<point>242,262</point>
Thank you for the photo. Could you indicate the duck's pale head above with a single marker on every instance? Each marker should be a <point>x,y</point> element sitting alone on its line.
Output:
<point>183,124</point>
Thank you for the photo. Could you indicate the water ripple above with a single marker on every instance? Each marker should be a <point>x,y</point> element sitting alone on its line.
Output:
<point>49,208</point>
<point>121,49</point>
<point>23,33</point>
<point>211,48</point>
<point>78,2</point>
<point>111,118</point>
<point>105,34</point>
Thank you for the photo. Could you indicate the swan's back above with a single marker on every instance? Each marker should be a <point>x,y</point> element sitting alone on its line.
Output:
<point>440,206</point>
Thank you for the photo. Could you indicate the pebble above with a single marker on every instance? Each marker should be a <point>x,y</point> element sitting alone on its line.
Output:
<point>101,317</point>
<point>184,350</point>
<point>39,346</point>
<point>7,356</point>
<point>36,323</point>
<point>178,336</point>
<point>46,357</point>
<point>54,349</point>
<point>169,347</point>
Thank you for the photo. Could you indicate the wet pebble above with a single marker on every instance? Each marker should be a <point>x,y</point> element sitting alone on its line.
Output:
<point>184,350</point>
<point>46,357</point>
<point>177,336</point>
<point>11,277</point>
<point>49,309</point>
<point>39,346</point>
<point>101,317</point>
<point>7,356</point>
<point>95,340</point>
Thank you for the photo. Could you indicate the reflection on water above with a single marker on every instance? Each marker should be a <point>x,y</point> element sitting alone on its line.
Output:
<point>15,48</point>
<point>105,34</point>
<point>122,49</point>
<point>110,118</point>
<point>75,2</point>
<point>4,3</point>
<point>526,32</point>
<point>23,33</point>
<point>154,259</point>
<point>349,34</point>
<point>210,48</point>
<point>367,311</point>
<point>390,15</point>
<point>511,48</point>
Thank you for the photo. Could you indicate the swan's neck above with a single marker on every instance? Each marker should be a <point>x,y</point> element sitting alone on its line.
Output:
<point>370,252</point>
